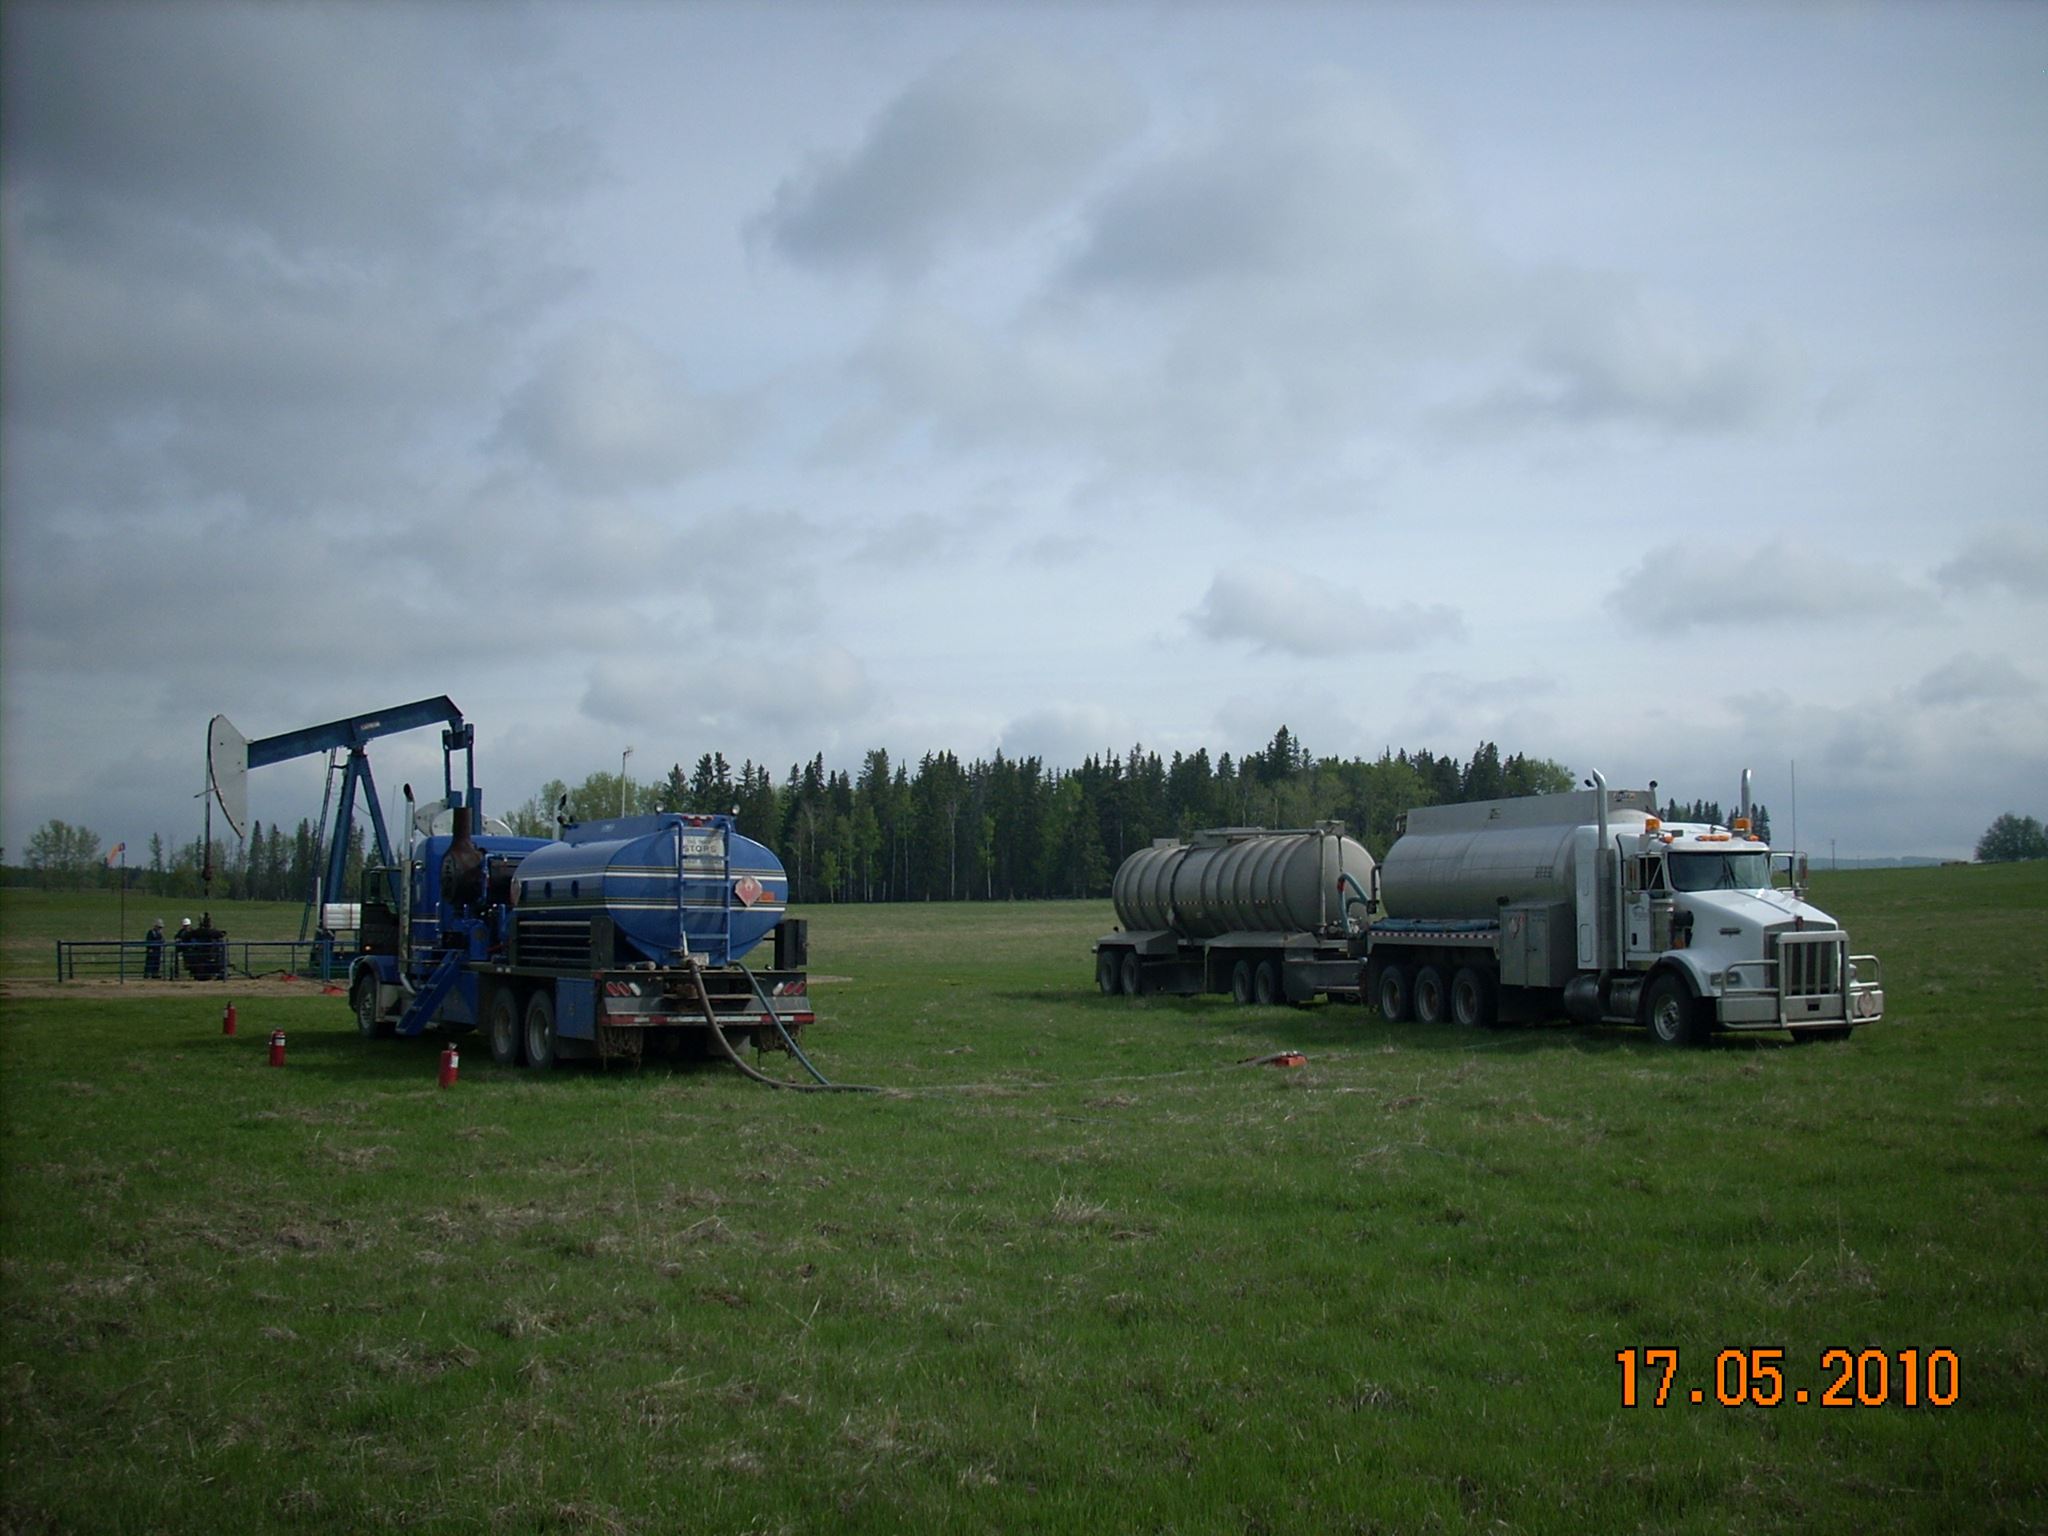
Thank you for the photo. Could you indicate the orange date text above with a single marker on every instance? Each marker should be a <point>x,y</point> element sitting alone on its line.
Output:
<point>1846,1378</point>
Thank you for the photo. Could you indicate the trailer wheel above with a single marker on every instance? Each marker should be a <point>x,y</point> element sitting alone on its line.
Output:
<point>1432,999</point>
<point>1266,984</point>
<point>501,1022</point>
<point>540,1030</point>
<point>1392,993</point>
<point>365,1003</point>
<point>1105,972</point>
<point>1241,983</point>
<point>1672,1014</point>
<point>1472,1001</point>
<point>1133,974</point>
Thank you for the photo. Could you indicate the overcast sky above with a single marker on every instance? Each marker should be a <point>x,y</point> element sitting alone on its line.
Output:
<point>1658,389</point>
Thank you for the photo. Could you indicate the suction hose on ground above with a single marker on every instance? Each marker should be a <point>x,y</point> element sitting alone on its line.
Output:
<point>733,1056</point>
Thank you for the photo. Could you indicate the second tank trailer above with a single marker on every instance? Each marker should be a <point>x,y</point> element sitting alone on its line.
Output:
<point>1267,916</point>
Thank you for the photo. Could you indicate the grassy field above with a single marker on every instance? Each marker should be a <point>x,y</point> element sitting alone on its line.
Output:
<point>1082,1271</point>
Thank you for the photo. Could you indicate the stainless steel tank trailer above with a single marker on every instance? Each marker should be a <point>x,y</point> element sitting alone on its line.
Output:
<point>1267,916</point>
<point>1583,903</point>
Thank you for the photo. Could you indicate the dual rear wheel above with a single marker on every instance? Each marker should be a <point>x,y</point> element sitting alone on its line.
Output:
<point>1422,993</point>
<point>1257,981</point>
<point>521,1035</point>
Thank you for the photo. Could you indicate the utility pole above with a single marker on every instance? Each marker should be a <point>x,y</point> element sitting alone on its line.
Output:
<point>622,779</point>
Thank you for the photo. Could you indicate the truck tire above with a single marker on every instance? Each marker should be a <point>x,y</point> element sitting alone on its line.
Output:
<point>1472,999</point>
<point>1392,993</point>
<point>540,1030</point>
<point>1672,1013</point>
<point>1105,972</point>
<point>1241,983</point>
<point>1133,974</point>
<point>501,1023</point>
<point>1266,988</point>
<point>365,1003</point>
<point>1432,997</point>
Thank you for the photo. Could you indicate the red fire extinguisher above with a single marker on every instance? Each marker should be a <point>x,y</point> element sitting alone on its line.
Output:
<point>450,1063</point>
<point>227,1020</point>
<point>277,1047</point>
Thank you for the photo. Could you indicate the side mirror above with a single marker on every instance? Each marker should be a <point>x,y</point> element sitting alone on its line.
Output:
<point>1799,870</point>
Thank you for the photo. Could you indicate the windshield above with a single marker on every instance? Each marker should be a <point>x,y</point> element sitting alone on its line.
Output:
<point>1720,871</point>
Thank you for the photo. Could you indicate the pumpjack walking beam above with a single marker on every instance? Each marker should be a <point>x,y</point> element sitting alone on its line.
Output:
<point>352,736</point>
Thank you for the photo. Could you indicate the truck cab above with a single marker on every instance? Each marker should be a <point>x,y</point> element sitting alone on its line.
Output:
<point>1705,903</point>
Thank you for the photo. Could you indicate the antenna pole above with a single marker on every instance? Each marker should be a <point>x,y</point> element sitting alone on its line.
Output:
<point>1795,804</point>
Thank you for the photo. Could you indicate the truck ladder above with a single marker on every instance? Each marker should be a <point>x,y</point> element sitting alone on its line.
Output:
<point>428,1000</point>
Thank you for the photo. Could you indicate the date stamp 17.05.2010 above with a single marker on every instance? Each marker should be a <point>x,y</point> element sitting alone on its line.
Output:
<point>1846,1378</point>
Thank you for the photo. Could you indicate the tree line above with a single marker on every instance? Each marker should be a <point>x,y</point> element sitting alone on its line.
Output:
<point>1009,828</point>
<point>267,865</point>
<point>989,829</point>
<point>2012,837</point>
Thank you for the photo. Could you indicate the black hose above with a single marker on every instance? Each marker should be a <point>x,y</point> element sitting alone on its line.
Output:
<point>733,1056</point>
<point>788,1040</point>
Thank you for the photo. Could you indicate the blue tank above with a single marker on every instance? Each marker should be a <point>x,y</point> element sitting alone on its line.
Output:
<point>670,884</point>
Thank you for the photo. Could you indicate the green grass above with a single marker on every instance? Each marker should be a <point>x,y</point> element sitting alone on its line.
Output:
<point>1082,1272</point>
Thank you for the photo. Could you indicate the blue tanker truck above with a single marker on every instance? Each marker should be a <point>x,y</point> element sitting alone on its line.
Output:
<point>617,939</point>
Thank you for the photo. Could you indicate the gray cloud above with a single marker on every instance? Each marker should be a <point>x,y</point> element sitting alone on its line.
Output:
<point>2009,559</point>
<point>1063,735</point>
<point>1322,184</point>
<point>1601,350</point>
<point>988,141</point>
<point>234,269</point>
<point>1295,289</point>
<point>1284,611</point>
<point>916,538</point>
<point>1776,583</point>
<point>236,116</point>
<point>1972,678</point>
<point>605,413</point>
<point>814,692</point>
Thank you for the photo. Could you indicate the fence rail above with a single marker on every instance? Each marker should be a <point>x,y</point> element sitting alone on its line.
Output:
<point>224,960</point>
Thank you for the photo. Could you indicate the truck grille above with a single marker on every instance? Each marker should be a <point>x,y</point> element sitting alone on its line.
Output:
<point>1809,965</point>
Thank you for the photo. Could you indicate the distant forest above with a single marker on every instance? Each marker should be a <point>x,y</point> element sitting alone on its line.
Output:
<point>998,829</point>
<point>1009,828</point>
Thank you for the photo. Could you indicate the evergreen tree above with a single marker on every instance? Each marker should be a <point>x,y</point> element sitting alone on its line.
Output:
<point>2011,837</point>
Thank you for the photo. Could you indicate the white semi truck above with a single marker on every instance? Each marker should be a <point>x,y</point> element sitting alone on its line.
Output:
<point>1585,902</point>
